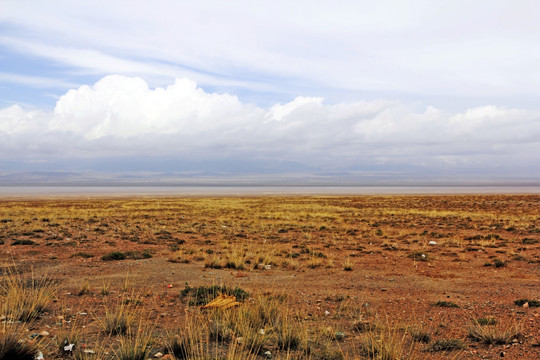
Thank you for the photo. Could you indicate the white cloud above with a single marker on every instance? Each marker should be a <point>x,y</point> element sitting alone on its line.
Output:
<point>123,116</point>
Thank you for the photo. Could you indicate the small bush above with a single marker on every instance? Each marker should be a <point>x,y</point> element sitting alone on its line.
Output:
<point>23,242</point>
<point>419,256</point>
<point>83,255</point>
<point>115,255</point>
<point>499,263</point>
<point>532,303</point>
<point>447,304</point>
<point>447,345</point>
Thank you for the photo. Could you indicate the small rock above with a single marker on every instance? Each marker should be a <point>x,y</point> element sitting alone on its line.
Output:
<point>432,242</point>
<point>44,333</point>
<point>326,312</point>
<point>261,332</point>
<point>268,354</point>
<point>158,355</point>
<point>526,305</point>
<point>267,267</point>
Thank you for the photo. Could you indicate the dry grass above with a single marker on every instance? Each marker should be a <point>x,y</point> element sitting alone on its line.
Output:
<point>14,345</point>
<point>25,299</point>
<point>255,238</point>
<point>495,333</point>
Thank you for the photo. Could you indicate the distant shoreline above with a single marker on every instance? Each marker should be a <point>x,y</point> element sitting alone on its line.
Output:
<point>9,192</point>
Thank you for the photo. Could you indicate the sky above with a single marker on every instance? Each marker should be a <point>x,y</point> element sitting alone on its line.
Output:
<point>411,89</point>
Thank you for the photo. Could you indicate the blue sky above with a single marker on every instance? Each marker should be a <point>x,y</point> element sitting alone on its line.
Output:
<point>448,87</point>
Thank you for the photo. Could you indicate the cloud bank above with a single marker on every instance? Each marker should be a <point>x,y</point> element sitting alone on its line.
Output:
<point>122,116</point>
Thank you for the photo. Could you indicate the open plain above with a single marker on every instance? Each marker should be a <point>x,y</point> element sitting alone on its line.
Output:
<point>315,277</point>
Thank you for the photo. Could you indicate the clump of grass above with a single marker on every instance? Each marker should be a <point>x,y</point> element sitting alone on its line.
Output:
<point>420,334</point>
<point>13,346</point>
<point>419,256</point>
<point>383,343</point>
<point>447,345</point>
<point>25,300</point>
<point>447,304</point>
<point>133,255</point>
<point>348,265</point>
<point>134,346</point>
<point>84,255</point>
<point>23,242</point>
<point>532,303</point>
<point>287,334</point>
<point>497,334</point>
<point>68,339</point>
<point>213,263</point>
<point>114,255</point>
<point>119,320</point>
<point>315,262</point>
<point>187,344</point>
<point>105,288</point>
<point>487,320</point>
<point>499,263</point>
<point>84,289</point>
<point>204,294</point>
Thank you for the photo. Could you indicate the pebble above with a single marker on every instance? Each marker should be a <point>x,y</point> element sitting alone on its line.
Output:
<point>158,355</point>
<point>44,333</point>
<point>432,242</point>
<point>268,354</point>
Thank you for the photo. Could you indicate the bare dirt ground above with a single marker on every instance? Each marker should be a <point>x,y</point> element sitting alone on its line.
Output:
<point>428,264</point>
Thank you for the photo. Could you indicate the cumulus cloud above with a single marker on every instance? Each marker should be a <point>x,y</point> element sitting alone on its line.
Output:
<point>123,116</point>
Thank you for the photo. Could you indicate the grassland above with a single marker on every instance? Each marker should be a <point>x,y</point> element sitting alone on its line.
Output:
<point>316,277</point>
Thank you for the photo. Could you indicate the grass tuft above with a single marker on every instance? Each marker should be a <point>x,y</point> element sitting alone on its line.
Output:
<point>25,300</point>
<point>496,334</point>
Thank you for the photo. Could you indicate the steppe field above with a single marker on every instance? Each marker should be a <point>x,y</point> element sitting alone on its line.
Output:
<point>271,277</point>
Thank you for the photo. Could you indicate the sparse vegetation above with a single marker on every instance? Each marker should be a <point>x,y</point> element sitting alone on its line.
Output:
<point>447,304</point>
<point>447,345</point>
<point>405,250</point>
<point>492,333</point>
